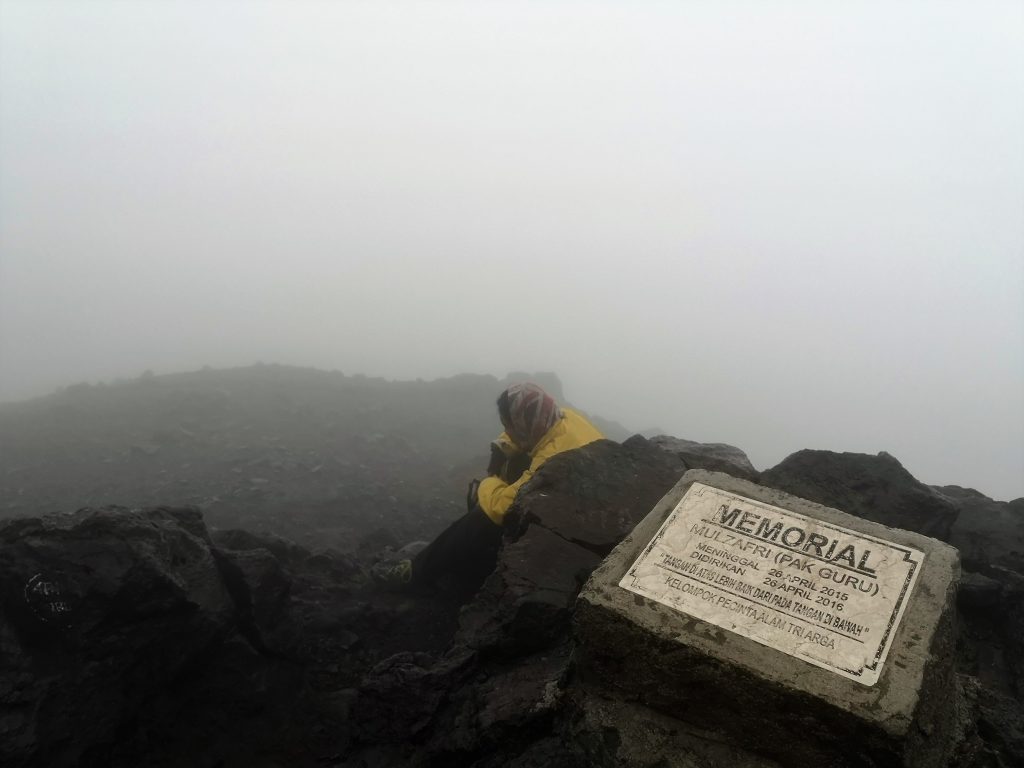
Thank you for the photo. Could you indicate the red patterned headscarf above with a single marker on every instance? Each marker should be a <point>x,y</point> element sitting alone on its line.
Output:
<point>527,412</point>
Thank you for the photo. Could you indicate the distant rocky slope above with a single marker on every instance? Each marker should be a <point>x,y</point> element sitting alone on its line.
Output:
<point>148,636</point>
<point>317,456</point>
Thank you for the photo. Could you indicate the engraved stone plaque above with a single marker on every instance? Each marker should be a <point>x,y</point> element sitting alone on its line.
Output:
<point>805,587</point>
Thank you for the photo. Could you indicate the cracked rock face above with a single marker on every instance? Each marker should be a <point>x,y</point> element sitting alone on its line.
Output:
<point>715,457</point>
<point>989,534</point>
<point>573,512</point>
<point>127,637</point>
<point>876,488</point>
<point>101,608</point>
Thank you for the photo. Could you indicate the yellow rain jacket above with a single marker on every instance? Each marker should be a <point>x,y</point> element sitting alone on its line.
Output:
<point>571,431</point>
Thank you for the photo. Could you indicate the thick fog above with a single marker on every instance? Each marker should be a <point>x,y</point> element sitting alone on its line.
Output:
<point>779,225</point>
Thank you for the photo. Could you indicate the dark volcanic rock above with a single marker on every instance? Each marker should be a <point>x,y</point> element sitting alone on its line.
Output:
<point>101,610</point>
<point>615,734</point>
<point>516,629</point>
<point>1008,619</point>
<point>524,606</point>
<point>990,537</point>
<point>244,541</point>
<point>127,638</point>
<point>988,533</point>
<point>978,592</point>
<point>993,728</point>
<point>573,512</point>
<point>399,697</point>
<point>593,497</point>
<point>260,587</point>
<point>716,457</point>
<point>990,644</point>
<point>873,487</point>
<point>492,720</point>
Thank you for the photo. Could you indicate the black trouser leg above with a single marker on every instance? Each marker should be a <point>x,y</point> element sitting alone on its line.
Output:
<point>467,550</point>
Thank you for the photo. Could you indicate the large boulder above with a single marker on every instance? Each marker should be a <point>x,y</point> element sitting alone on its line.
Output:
<point>524,606</point>
<point>606,732</point>
<point>876,488</point>
<point>988,533</point>
<point>570,516</point>
<point>594,496</point>
<point>993,727</point>
<point>715,457</point>
<point>128,638</point>
<point>239,540</point>
<point>260,587</point>
<point>990,537</point>
<point>991,642</point>
<point>400,695</point>
<point>102,611</point>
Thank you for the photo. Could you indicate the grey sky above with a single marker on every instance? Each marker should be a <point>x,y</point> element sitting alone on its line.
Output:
<point>780,225</point>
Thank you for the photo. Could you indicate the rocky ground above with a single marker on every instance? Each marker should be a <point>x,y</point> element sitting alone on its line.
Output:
<point>168,636</point>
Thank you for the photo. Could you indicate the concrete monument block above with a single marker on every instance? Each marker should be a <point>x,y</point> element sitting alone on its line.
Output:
<point>798,631</point>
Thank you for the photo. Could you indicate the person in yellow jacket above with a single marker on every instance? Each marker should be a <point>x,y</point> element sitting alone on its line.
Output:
<point>536,429</point>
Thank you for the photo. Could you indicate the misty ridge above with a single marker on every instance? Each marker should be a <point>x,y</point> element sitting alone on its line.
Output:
<point>312,455</point>
<point>320,457</point>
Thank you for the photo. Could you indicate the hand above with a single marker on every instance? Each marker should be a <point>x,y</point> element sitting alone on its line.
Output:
<point>472,496</point>
<point>497,460</point>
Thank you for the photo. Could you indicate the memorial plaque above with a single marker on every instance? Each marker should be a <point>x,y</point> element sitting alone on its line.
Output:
<point>805,587</point>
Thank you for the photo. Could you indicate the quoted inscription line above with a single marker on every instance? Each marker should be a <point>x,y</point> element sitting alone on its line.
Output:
<point>787,547</point>
<point>759,605</point>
